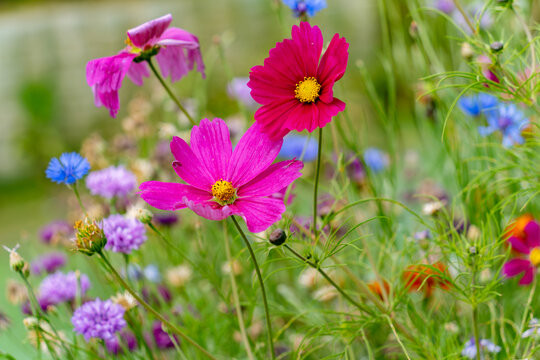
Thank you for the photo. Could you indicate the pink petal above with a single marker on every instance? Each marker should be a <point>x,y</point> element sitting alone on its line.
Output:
<point>209,210</point>
<point>515,266</point>
<point>275,178</point>
<point>259,213</point>
<point>211,143</point>
<point>328,111</point>
<point>334,62</point>
<point>518,245</point>
<point>109,100</point>
<point>180,53</point>
<point>528,277</point>
<point>532,232</point>
<point>188,166</point>
<point>308,43</point>
<point>274,117</point>
<point>171,196</point>
<point>253,154</point>
<point>266,88</point>
<point>149,32</point>
<point>138,71</point>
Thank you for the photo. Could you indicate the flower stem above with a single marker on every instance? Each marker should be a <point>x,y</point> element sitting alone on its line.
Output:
<point>316,187</point>
<point>261,283</point>
<point>151,309</point>
<point>169,91</point>
<point>236,299</point>
<point>332,282</point>
<point>465,16</point>
<point>79,198</point>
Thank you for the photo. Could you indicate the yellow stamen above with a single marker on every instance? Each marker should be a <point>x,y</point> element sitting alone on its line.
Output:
<point>224,193</point>
<point>132,48</point>
<point>534,256</point>
<point>307,90</point>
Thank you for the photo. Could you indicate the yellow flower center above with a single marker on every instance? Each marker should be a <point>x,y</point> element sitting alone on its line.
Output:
<point>534,256</point>
<point>223,191</point>
<point>307,90</point>
<point>132,48</point>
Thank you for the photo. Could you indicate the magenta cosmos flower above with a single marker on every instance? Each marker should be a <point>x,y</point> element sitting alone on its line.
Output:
<point>529,246</point>
<point>176,52</point>
<point>222,181</point>
<point>294,88</point>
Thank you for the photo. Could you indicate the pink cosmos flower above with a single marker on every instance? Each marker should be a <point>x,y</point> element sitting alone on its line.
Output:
<point>176,52</point>
<point>530,246</point>
<point>222,181</point>
<point>294,88</point>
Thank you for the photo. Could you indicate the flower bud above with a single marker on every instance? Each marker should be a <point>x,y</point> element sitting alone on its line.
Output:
<point>90,237</point>
<point>144,216</point>
<point>413,29</point>
<point>467,52</point>
<point>496,46</point>
<point>16,262</point>
<point>277,237</point>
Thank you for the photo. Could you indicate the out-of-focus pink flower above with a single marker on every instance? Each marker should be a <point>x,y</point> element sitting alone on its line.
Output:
<point>529,245</point>
<point>176,51</point>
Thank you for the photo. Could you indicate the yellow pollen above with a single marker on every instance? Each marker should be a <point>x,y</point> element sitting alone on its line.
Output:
<point>307,90</point>
<point>132,48</point>
<point>224,193</point>
<point>534,256</point>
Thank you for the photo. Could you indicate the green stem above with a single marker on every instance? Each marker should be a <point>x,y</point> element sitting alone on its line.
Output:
<point>316,187</point>
<point>332,282</point>
<point>151,309</point>
<point>525,313</point>
<point>261,283</point>
<point>168,243</point>
<point>169,91</point>
<point>236,299</point>
<point>79,198</point>
<point>475,315</point>
<point>465,16</point>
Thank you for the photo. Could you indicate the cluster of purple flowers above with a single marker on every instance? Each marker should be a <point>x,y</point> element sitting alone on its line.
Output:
<point>60,287</point>
<point>48,263</point>
<point>123,234</point>
<point>114,181</point>
<point>99,319</point>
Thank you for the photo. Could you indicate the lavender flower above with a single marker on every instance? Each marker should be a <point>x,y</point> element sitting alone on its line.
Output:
<point>509,120</point>
<point>110,182</point>
<point>60,287</point>
<point>238,89</point>
<point>151,273</point>
<point>50,233</point>
<point>123,234</point>
<point>99,319</point>
<point>469,351</point>
<point>48,263</point>
<point>355,169</point>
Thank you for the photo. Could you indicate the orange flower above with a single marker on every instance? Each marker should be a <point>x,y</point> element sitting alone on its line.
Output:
<point>376,288</point>
<point>517,226</point>
<point>426,277</point>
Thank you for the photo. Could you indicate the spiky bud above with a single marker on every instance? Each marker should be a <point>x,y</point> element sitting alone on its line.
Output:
<point>145,216</point>
<point>90,237</point>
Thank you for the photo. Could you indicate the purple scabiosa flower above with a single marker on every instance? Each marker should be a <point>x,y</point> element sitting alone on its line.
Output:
<point>125,338</point>
<point>509,120</point>
<point>446,6</point>
<point>123,234</point>
<point>69,168</point>
<point>176,51</point>
<point>477,104</point>
<point>99,319</point>
<point>51,232</point>
<point>301,7</point>
<point>43,304</point>
<point>299,146</point>
<point>48,263</point>
<point>469,351</point>
<point>114,181</point>
<point>166,219</point>
<point>376,159</point>
<point>162,339</point>
<point>60,287</point>
<point>238,89</point>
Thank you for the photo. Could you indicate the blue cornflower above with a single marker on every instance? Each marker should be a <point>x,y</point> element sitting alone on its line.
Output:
<point>294,146</point>
<point>507,119</point>
<point>477,104</point>
<point>376,159</point>
<point>469,351</point>
<point>300,7</point>
<point>70,168</point>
